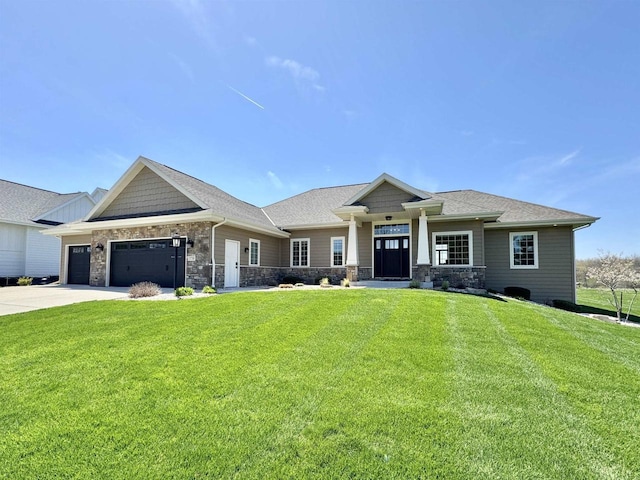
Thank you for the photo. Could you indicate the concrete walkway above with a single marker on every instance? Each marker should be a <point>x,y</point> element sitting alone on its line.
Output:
<point>36,297</point>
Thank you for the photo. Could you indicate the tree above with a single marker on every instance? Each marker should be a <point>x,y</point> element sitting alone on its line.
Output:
<point>614,272</point>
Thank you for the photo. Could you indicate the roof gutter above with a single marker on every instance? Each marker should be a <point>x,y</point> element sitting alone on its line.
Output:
<point>213,249</point>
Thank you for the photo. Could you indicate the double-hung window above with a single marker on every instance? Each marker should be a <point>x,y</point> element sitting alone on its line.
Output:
<point>523,249</point>
<point>300,252</point>
<point>337,251</point>
<point>254,252</point>
<point>453,248</point>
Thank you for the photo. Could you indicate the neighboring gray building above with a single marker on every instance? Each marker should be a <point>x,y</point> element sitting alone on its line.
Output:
<point>385,229</point>
<point>26,211</point>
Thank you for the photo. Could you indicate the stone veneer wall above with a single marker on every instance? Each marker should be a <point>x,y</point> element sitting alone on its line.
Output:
<point>271,276</point>
<point>198,272</point>
<point>473,277</point>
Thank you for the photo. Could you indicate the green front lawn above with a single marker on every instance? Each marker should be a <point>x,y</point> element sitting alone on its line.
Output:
<point>318,384</point>
<point>598,300</point>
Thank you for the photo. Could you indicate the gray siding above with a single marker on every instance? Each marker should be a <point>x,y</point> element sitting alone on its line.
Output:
<point>365,245</point>
<point>269,246</point>
<point>476,226</point>
<point>147,193</point>
<point>554,277</point>
<point>319,245</point>
<point>386,199</point>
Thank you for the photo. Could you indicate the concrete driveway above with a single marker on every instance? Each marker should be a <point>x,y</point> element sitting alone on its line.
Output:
<point>35,297</point>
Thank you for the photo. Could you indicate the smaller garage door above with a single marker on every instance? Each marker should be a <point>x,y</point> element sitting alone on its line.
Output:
<point>147,261</point>
<point>78,265</point>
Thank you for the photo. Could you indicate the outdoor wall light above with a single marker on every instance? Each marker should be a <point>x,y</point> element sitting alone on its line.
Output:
<point>246,249</point>
<point>388,217</point>
<point>190,242</point>
<point>175,240</point>
<point>100,247</point>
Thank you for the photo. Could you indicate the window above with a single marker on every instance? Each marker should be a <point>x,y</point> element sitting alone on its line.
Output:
<point>523,249</point>
<point>337,251</point>
<point>254,252</point>
<point>453,248</point>
<point>394,229</point>
<point>300,252</point>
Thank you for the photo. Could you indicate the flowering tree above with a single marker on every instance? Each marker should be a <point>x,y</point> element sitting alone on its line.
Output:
<point>614,272</point>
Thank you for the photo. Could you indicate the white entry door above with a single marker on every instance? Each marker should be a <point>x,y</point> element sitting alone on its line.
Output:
<point>231,263</point>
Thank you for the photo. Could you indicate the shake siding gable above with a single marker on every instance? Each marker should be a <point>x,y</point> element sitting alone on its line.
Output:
<point>386,199</point>
<point>147,193</point>
<point>554,277</point>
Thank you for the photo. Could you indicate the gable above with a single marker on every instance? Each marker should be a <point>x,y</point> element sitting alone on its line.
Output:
<point>386,198</point>
<point>147,193</point>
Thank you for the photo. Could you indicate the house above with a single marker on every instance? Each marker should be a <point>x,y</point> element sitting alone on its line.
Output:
<point>24,212</point>
<point>385,229</point>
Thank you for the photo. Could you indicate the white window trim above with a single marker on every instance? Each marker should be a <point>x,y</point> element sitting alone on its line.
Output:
<point>344,244</point>
<point>535,251</point>
<point>253,240</point>
<point>293,240</point>
<point>434,256</point>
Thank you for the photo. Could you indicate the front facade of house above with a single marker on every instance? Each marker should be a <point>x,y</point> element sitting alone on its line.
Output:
<point>158,224</point>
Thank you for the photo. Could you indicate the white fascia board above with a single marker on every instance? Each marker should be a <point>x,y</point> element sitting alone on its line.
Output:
<point>345,212</point>
<point>26,224</point>
<point>575,222</point>
<point>274,232</point>
<point>385,177</point>
<point>84,227</point>
<point>317,226</point>
<point>68,202</point>
<point>466,216</point>
<point>422,204</point>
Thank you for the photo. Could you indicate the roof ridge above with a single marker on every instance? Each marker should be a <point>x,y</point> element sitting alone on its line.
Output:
<point>35,188</point>
<point>313,190</point>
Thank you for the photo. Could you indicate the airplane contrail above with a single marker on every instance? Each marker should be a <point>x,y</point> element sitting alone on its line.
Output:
<point>245,97</point>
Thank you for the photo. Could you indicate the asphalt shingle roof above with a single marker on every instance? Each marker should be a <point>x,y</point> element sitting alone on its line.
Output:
<point>313,207</point>
<point>220,202</point>
<point>21,203</point>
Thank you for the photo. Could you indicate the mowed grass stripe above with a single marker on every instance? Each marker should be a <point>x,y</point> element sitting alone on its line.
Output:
<point>382,419</point>
<point>602,391</point>
<point>575,435</point>
<point>626,353</point>
<point>160,365</point>
<point>512,426</point>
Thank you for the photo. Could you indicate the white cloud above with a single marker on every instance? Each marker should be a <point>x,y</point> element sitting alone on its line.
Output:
<point>297,70</point>
<point>275,181</point>
<point>251,41</point>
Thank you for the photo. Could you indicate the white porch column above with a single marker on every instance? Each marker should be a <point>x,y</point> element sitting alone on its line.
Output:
<point>423,240</point>
<point>352,246</point>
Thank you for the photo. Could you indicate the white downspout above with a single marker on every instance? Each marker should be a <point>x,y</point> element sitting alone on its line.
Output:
<point>213,249</point>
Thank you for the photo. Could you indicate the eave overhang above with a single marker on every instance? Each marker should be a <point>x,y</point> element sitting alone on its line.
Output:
<point>484,216</point>
<point>346,211</point>
<point>570,222</point>
<point>79,228</point>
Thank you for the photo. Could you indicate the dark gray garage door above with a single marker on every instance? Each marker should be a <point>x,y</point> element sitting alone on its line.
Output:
<point>78,266</point>
<point>146,261</point>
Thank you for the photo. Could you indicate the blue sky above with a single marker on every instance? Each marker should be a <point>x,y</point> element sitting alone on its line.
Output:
<point>538,101</point>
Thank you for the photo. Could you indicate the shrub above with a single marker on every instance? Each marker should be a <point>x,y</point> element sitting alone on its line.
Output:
<point>208,289</point>
<point>415,284</point>
<point>445,285</point>
<point>184,291</point>
<point>25,281</point>
<point>345,282</point>
<point>325,282</point>
<point>518,292</point>
<point>292,279</point>
<point>144,289</point>
<point>566,305</point>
